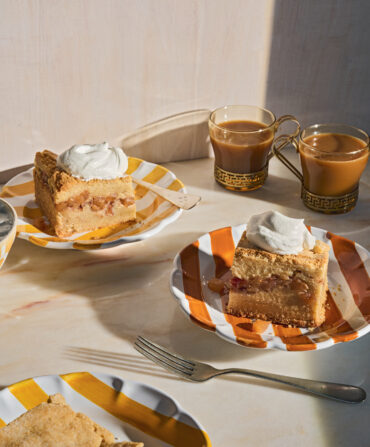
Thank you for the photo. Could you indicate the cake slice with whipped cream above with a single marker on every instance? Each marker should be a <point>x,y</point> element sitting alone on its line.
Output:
<point>279,272</point>
<point>84,189</point>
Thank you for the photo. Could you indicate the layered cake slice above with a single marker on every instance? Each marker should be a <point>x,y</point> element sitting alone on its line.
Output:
<point>55,424</point>
<point>285,288</point>
<point>83,190</point>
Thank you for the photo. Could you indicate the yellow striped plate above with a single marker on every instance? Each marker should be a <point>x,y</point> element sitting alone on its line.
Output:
<point>153,212</point>
<point>131,410</point>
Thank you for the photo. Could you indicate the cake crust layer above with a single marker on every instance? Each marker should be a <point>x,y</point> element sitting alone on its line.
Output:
<point>74,205</point>
<point>55,424</point>
<point>284,289</point>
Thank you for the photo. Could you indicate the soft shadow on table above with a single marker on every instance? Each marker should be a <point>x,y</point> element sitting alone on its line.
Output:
<point>139,364</point>
<point>119,285</point>
<point>277,190</point>
<point>344,363</point>
<point>286,193</point>
<point>126,362</point>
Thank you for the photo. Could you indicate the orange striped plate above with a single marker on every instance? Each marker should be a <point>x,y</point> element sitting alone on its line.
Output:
<point>131,410</point>
<point>347,314</point>
<point>153,212</point>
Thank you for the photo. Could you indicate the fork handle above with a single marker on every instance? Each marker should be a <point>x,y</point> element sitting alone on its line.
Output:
<point>337,391</point>
<point>179,199</point>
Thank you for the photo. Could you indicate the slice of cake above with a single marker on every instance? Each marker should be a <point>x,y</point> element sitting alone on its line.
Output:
<point>285,289</point>
<point>55,424</point>
<point>82,192</point>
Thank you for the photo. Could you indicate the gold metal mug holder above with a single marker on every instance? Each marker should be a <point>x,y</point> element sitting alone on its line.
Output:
<point>324,204</point>
<point>252,180</point>
<point>330,204</point>
<point>241,182</point>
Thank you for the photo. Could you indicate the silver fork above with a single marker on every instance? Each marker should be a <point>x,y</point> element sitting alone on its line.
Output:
<point>199,372</point>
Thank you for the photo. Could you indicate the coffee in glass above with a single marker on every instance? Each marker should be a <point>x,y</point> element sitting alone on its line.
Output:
<point>333,157</point>
<point>241,138</point>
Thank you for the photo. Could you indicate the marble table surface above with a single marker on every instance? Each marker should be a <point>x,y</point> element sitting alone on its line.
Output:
<point>52,300</point>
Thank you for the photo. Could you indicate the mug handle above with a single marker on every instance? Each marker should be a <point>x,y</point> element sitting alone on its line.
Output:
<point>283,140</point>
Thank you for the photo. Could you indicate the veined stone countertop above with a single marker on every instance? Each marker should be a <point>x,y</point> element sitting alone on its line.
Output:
<point>52,300</point>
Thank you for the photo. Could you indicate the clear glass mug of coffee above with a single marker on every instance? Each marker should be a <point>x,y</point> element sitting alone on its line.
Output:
<point>241,138</point>
<point>333,157</point>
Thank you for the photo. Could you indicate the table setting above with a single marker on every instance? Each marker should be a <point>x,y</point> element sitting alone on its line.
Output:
<point>213,268</point>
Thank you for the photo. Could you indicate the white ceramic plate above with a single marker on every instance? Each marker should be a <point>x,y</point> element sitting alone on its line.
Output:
<point>131,410</point>
<point>153,212</point>
<point>348,302</point>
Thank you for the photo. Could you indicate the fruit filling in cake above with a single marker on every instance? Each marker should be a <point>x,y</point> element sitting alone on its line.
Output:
<point>84,189</point>
<point>253,284</point>
<point>279,273</point>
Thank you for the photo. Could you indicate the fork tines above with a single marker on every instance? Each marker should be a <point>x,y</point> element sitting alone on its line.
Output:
<point>168,360</point>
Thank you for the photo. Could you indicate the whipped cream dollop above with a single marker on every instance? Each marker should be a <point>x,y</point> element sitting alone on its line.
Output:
<point>276,233</point>
<point>94,161</point>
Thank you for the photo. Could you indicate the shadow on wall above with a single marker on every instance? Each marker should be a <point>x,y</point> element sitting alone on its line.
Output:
<point>319,66</point>
<point>319,70</point>
<point>178,137</point>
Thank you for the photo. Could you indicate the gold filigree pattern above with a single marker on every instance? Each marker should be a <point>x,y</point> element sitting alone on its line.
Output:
<point>330,205</point>
<point>241,182</point>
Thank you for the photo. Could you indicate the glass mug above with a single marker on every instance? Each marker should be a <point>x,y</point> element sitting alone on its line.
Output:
<point>242,137</point>
<point>333,157</point>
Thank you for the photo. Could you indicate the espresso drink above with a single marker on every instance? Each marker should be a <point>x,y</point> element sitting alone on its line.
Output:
<point>241,146</point>
<point>335,165</point>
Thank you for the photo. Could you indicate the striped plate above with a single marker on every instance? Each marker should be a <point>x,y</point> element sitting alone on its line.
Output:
<point>348,309</point>
<point>131,410</point>
<point>153,212</point>
<point>7,229</point>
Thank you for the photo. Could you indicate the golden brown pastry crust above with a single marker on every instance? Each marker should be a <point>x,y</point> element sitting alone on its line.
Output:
<point>279,317</point>
<point>55,424</point>
<point>252,261</point>
<point>299,296</point>
<point>62,184</point>
<point>73,205</point>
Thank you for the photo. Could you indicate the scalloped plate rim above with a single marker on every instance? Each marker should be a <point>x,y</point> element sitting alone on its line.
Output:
<point>275,342</point>
<point>122,240</point>
<point>140,385</point>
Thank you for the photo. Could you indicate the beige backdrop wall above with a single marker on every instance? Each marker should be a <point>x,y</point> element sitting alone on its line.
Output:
<point>92,70</point>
